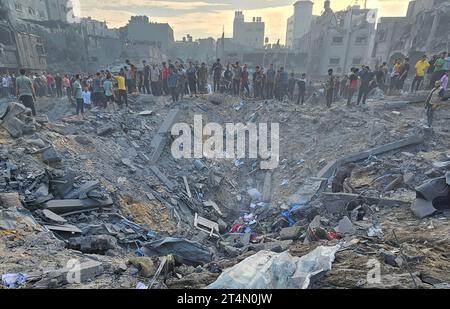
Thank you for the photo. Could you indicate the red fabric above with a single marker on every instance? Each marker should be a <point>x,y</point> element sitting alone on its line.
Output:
<point>235,228</point>
<point>165,73</point>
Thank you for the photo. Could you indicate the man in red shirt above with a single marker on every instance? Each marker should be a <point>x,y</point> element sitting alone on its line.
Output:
<point>164,74</point>
<point>50,83</point>
<point>352,84</point>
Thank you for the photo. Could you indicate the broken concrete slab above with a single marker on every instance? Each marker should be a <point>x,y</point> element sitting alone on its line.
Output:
<point>76,273</point>
<point>292,232</point>
<point>267,194</point>
<point>8,200</point>
<point>145,113</point>
<point>344,198</point>
<point>166,126</point>
<point>162,177</point>
<point>66,206</point>
<point>36,142</point>
<point>158,144</point>
<point>345,227</point>
<point>422,208</point>
<point>212,204</point>
<point>83,140</point>
<point>106,129</point>
<point>94,244</point>
<point>51,156</point>
<point>10,122</point>
<point>68,228</point>
<point>81,192</point>
<point>51,216</point>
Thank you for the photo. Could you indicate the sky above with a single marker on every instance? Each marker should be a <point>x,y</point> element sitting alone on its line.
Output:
<point>205,18</point>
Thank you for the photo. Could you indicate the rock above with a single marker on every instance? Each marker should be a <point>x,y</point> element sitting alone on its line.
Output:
<point>97,244</point>
<point>51,156</point>
<point>293,232</point>
<point>433,173</point>
<point>345,227</point>
<point>444,164</point>
<point>145,265</point>
<point>83,140</point>
<point>106,129</point>
<point>135,134</point>
<point>254,194</point>
<point>222,226</point>
<point>36,142</point>
<point>8,200</point>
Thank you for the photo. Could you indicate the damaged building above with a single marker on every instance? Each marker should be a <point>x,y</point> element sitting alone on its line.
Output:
<point>339,40</point>
<point>424,30</point>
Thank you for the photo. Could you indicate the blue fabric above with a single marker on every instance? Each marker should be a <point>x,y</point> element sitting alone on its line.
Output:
<point>288,213</point>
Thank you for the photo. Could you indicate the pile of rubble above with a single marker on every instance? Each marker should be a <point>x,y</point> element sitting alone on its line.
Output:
<point>104,194</point>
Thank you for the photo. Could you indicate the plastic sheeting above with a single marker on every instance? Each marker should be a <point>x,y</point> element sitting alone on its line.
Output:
<point>185,251</point>
<point>269,270</point>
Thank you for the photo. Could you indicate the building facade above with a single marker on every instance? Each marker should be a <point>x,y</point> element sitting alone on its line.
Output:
<point>248,33</point>
<point>141,31</point>
<point>299,23</point>
<point>339,40</point>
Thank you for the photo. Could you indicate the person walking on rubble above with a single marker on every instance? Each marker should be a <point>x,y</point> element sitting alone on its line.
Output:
<point>155,78</point>
<point>244,81</point>
<point>291,86</point>
<point>78,94</point>
<point>421,67</point>
<point>146,77</point>
<point>25,91</point>
<point>439,68</point>
<point>432,103</point>
<point>329,87</point>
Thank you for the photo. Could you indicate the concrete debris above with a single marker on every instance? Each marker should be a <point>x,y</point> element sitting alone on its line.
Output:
<point>107,188</point>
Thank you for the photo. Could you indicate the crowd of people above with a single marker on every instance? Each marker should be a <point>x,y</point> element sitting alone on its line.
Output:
<point>176,79</point>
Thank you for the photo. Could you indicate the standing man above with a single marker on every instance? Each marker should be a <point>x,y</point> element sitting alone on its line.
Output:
<point>291,86</point>
<point>217,74</point>
<point>121,89</point>
<point>146,77</point>
<point>192,79</point>
<point>366,77</point>
<point>432,102</point>
<point>257,83</point>
<point>404,73</point>
<point>270,75</point>
<point>164,75</point>
<point>284,82</point>
<point>5,85</point>
<point>439,68</point>
<point>50,83</point>
<point>25,91</point>
<point>421,67</point>
<point>97,90</point>
<point>237,76</point>
<point>202,75</point>
<point>352,85</point>
<point>244,81</point>
<point>78,94</point>
<point>155,76</point>
<point>329,87</point>
<point>66,84</point>
<point>301,89</point>
<point>58,83</point>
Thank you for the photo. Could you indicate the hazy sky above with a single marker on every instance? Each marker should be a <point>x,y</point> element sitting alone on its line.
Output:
<point>203,18</point>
